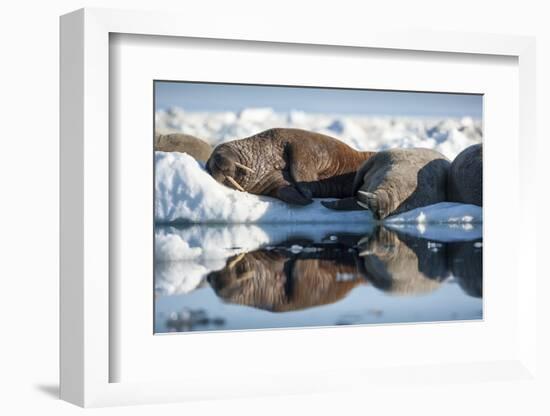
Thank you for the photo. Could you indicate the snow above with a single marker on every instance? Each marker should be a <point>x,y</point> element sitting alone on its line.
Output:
<point>448,135</point>
<point>443,212</point>
<point>446,221</point>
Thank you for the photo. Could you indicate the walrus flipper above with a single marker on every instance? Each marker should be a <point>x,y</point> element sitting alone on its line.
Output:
<point>345,204</point>
<point>291,195</point>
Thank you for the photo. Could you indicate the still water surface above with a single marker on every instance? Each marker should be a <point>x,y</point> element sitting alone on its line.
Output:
<point>332,276</point>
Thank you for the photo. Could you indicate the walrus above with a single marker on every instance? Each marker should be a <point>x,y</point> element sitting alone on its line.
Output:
<point>280,281</point>
<point>183,143</point>
<point>397,180</point>
<point>292,165</point>
<point>466,176</point>
<point>401,265</point>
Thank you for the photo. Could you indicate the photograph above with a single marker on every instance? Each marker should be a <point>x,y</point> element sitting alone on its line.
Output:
<point>280,206</point>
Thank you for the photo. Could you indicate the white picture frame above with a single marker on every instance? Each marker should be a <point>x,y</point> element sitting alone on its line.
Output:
<point>86,261</point>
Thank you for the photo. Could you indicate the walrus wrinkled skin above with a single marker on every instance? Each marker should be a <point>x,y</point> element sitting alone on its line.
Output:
<point>292,165</point>
<point>466,176</point>
<point>279,281</point>
<point>398,180</point>
<point>183,143</point>
<point>397,264</point>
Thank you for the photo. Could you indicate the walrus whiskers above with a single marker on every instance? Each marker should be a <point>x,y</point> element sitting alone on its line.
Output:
<point>244,167</point>
<point>235,183</point>
<point>234,262</point>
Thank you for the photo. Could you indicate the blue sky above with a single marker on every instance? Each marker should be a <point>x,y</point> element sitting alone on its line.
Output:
<point>233,97</point>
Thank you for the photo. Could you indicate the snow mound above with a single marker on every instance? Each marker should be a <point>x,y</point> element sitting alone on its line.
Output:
<point>442,213</point>
<point>186,193</point>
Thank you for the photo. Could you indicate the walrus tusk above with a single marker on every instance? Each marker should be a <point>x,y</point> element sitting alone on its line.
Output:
<point>363,197</point>
<point>362,204</point>
<point>248,275</point>
<point>235,183</point>
<point>368,195</point>
<point>244,167</point>
<point>234,262</point>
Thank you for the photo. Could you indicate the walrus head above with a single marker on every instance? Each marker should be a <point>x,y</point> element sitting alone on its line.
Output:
<point>253,279</point>
<point>238,269</point>
<point>225,166</point>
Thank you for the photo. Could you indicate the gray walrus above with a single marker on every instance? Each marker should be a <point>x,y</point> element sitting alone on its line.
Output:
<point>397,180</point>
<point>183,143</point>
<point>466,176</point>
<point>290,164</point>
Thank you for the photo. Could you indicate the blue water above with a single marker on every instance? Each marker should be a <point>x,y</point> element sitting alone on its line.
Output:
<point>381,277</point>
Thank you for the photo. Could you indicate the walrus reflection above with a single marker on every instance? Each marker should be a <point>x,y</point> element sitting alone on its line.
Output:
<point>279,281</point>
<point>466,264</point>
<point>402,265</point>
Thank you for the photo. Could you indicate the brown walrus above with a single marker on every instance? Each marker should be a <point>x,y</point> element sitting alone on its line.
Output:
<point>290,164</point>
<point>466,176</point>
<point>397,180</point>
<point>280,281</point>
<point>183,143</point>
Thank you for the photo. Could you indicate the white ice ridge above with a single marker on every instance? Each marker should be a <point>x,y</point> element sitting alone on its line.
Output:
<point>446,135</point>
<point>186,193</point>
<point>442,213</point>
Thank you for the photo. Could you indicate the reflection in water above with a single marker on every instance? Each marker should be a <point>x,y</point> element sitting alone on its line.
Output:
<point>280,280</point>
<point>401,264</point>
<point>339,278</point>
<point>191,319</point>
<point>465,263</point>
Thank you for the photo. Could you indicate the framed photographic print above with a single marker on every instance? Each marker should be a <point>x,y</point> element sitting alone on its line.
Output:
<point>243,215</point>
<point>244,240</point>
